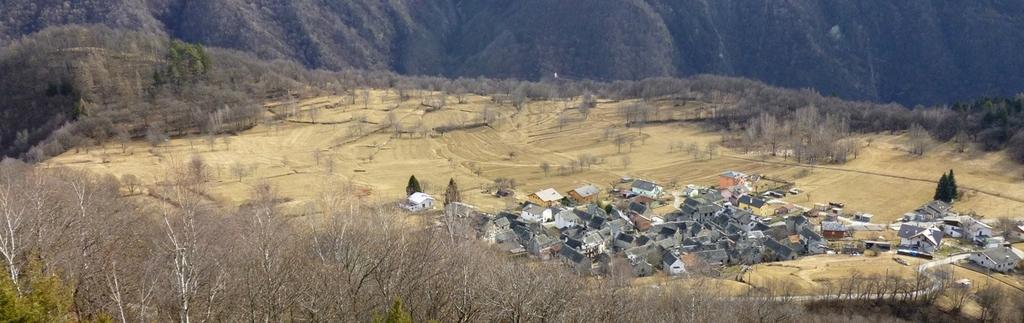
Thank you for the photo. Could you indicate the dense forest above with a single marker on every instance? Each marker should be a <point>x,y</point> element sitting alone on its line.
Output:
<point>118,85</point>
<point>911,52</point>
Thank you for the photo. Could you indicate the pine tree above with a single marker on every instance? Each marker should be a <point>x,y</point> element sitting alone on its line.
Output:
<point>953,191</point>
<point>43,297</point>
<point>940,190</point>
<point>452,195</point>
<point>396,314</point>
<point>413,186</point>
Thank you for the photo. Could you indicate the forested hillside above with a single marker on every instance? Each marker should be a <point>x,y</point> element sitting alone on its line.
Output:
<point>119,85</point>
<point>912,52</point>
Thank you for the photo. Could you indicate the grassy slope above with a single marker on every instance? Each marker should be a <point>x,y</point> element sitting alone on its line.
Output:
<point>876,182</point>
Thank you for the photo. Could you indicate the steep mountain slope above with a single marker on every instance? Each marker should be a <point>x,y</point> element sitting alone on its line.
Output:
<point>913,52</point>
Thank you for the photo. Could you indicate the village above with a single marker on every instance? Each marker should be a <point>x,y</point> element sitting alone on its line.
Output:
<point>699,230</point>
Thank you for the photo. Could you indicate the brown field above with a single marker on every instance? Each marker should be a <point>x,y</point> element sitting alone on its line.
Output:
<point>306,160</point>
<point>368,155</point>
<point>806,276</point>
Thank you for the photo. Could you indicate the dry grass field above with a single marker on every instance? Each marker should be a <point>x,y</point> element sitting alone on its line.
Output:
<point>329,141</point>
<point>807,275</point>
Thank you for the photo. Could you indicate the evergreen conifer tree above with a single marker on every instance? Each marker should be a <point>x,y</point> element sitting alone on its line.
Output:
<point>951,186</point>
<point>413,186</point>
<point>452,195</point>
<point>940,190</point>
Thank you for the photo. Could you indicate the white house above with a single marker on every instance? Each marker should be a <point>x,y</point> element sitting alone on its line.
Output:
<point>921,239</point>
<point>646,188</point>
<point>567,219</point>
<point>536,213</point>
<point>418,202</point>
<point>958,226</point>
<point>1001,259</point>
<point>976,230</point>
<point>672,265</point>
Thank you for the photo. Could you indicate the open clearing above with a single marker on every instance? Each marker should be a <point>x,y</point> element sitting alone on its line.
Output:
<point>808,275</point>
<point>352,143</point>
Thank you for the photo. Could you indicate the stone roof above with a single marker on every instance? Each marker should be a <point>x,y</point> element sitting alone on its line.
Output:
<point>644,185</point>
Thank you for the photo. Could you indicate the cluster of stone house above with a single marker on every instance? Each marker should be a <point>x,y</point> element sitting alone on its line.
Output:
<point>709,228</point>
<point>712,227</point>
<point>923,230</point>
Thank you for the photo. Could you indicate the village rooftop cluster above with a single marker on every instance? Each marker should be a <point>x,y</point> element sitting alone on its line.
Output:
<point>699,229</point>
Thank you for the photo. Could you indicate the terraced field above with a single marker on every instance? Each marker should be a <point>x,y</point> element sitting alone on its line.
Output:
<point>326,142</point>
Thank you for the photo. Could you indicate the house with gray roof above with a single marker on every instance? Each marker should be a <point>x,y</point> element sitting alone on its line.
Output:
<point>776,251</point>
<point>568,218</point>
<point>646,188</point>
<point>929,212</point>
<point>812,242</point>
<point>672,265</point>
<point>541,245</point>
<point>713,257</point>
<point>576,260</point>
<point>536,213</point>
<point>1000,259</point>
<point>918,238</point>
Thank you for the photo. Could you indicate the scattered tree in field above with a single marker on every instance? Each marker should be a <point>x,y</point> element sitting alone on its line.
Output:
<point>952,189</point>
<point>563,120</point>
<point>395,124</point>
<point>413,186</point>
<point>123,138</point>
<point>712,150</point>
<point>962,140</point>
<point>452,194</point>
<point>990,299</point>
<point>946,191</point>
<point>693,150</point>
<point>608,133</point>
<point>155,135</point>
<point>366,99</point>
<point>620,139</point>
<point>502,183</point>
<point>919,139</point>
<point>198,169</point>
<point>131,183</point>
<point>239,170</point>
<point>587,104</point>
<point>626,161</point>
<point>546,167</point>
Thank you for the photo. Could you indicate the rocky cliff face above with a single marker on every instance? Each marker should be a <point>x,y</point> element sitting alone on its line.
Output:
<point>913,52</point>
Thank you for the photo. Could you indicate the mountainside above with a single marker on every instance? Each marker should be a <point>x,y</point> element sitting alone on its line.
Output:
<point>912,52</point>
